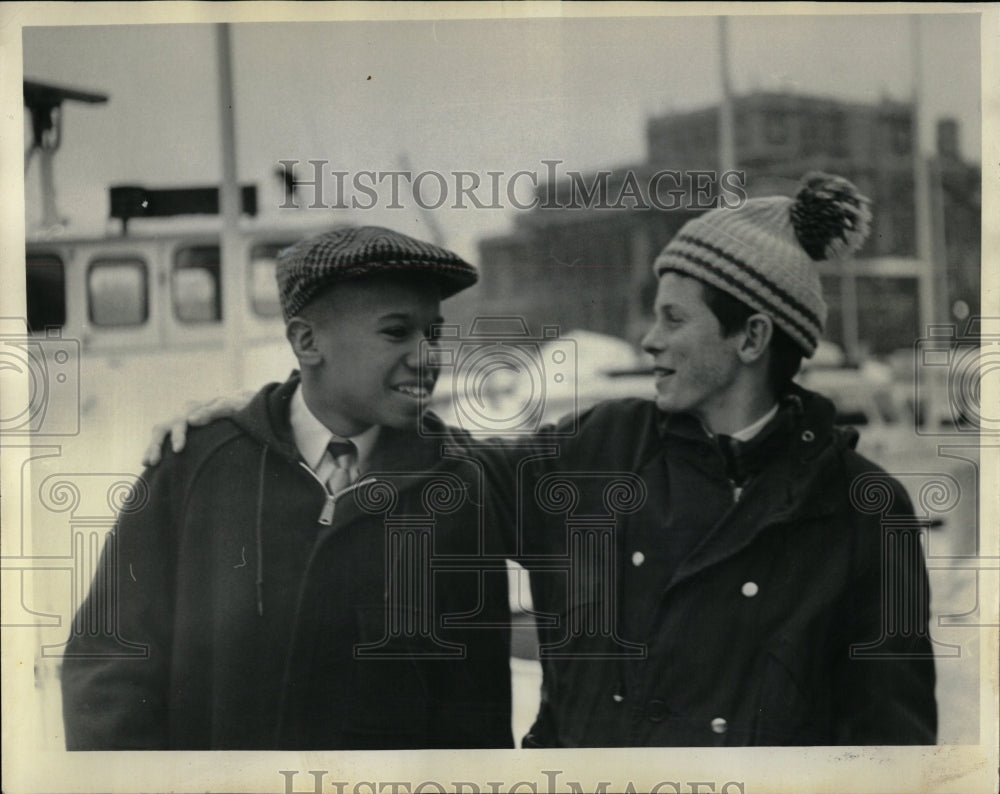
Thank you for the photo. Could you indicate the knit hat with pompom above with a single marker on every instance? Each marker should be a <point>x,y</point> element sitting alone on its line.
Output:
<point>763,253</point>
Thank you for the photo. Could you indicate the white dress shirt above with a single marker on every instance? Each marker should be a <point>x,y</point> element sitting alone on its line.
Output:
<point>311,437</point>
<point>751,430</point>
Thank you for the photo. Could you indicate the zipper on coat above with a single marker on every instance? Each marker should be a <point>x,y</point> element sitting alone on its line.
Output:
<point>326,515</point>
<point>329,499</point>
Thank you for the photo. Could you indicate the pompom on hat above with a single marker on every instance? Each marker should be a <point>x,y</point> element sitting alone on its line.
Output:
<point>349,252</point>
<point>764,252</point>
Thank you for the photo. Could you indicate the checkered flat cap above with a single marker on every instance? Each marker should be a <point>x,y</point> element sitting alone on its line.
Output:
<point>348,252</point>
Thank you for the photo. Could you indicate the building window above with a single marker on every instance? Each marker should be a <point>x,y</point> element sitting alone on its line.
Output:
<point>834,329</point>
<point>118,292</point>
<point>888,311</point>
<point>262,287</point>
<point>900,135</point>
<point>776,123</point>
<point>195,287</point>
<point>813,134</point>
<point>45,287</point>
<point>837,134</point>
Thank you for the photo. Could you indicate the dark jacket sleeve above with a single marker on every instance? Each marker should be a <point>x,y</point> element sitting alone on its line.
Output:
<point>884,692</point>
<point>514,468</point>
<point>116,664</point>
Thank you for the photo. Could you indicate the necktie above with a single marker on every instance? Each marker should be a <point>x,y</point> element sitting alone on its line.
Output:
<point>345,458</point>
<point>730,449</point>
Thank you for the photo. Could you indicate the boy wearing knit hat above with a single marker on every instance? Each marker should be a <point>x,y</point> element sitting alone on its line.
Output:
<point>762,593</point>
<point>258,578</point>
<point>753,596</point>
<point>753,270</point>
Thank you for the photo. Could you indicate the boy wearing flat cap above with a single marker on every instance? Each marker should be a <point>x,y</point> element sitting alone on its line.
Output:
<point>275,609</point>
<point>765,585</point>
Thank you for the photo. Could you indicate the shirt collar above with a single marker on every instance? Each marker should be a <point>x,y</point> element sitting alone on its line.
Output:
<point>751,430</point>
<point>312,436</point>
<point>689,426</point>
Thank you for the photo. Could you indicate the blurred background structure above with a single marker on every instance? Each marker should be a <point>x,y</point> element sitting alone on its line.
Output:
<point>554,256</point>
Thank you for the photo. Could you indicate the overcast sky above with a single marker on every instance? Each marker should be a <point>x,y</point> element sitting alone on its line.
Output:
<point>454,95</point>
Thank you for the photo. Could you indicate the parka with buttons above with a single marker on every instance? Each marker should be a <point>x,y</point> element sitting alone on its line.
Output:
<point>785,605</point>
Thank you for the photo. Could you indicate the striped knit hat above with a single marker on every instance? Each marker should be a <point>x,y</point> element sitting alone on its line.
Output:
<point>348,252</point>
<point>763,252</point>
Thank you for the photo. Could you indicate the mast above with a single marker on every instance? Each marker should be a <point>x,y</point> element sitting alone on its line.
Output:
<point>923,217</point>
<point>231,265</point>
<point>727,148</point>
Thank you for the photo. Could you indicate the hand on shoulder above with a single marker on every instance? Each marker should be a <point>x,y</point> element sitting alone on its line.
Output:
<point>197,414</point>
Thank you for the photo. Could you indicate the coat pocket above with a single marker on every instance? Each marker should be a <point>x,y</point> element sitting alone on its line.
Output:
<point>786,711</point>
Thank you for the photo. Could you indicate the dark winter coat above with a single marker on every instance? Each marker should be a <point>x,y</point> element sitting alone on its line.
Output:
<point>795,614</point>
<point>266,629</point>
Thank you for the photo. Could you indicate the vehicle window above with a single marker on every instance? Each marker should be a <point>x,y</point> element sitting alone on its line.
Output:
<point>261,285</point>
<point>118,292</point>
<point>195,288</point>
<point>45,288</point>
<point>888,408</point>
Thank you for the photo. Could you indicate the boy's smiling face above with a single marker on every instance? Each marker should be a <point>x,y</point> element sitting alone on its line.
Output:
<point>364,362</point>
<point>697,367</point>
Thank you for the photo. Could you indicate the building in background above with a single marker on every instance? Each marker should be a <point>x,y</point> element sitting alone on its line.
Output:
<point>582,259</point>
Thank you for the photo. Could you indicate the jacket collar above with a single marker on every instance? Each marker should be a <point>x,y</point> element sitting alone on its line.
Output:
<point>401,457</point>
<point>798,447</point>
<point>808,413</point>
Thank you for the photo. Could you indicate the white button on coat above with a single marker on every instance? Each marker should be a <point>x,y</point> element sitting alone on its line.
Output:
<point>638,558</point>
<point>719,725</point>
<point>750,589</point>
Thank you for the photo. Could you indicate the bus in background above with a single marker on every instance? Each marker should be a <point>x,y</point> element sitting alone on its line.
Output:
<point>135,326</point>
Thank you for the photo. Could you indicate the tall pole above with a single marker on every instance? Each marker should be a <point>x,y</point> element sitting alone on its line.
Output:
<point>50,215</point>
<point>923,218</point>
<point>231,265</point>
<point>727,149</point>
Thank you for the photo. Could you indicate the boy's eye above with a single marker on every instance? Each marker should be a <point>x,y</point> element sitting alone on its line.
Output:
<point>396,331</point>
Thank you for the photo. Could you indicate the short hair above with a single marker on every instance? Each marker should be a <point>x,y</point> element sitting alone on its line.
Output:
<point>732,314</point>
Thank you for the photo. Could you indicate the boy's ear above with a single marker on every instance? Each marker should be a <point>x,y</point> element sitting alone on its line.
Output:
<point>756,338</point>
<point>299,333</point>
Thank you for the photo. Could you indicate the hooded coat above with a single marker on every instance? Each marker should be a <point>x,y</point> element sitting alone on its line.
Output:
<point>250,624</point>
<point>772,596</point>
